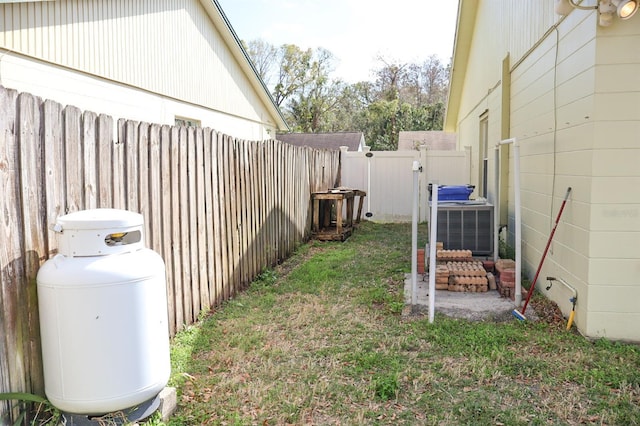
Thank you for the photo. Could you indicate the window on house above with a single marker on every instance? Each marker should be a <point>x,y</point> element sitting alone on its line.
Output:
<point>187,122</point>
<point>484,153</point>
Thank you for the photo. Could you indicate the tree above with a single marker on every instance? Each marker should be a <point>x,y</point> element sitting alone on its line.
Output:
<point>264,57</point>
<point>317,96</point>
<point>435,80</point>
<point>403,96</point>
<point>389,79</point>
<point>348,113</point>
<point>292,72</point>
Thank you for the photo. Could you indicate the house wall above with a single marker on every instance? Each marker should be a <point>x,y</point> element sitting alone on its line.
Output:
<point>552,117</point>
<point>576,119</point>
<point>137,55</point>
<point>614,263</point>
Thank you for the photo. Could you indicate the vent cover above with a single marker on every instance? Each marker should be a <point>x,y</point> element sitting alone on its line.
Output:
<point>466,227</point>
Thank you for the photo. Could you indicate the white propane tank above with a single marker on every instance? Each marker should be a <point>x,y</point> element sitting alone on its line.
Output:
<point>103,315</point>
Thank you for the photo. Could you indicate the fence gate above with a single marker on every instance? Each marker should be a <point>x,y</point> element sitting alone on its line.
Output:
<point>388,179</point>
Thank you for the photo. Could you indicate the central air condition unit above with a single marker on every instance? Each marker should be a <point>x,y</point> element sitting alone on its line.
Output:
<point>466,227</point>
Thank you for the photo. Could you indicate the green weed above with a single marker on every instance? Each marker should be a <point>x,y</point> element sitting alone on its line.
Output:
<point>33,409</point>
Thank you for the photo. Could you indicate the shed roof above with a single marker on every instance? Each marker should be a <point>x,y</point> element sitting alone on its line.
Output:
<point>331,141</point>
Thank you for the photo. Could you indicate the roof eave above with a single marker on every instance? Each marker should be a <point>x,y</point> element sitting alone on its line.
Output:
<point>465,24</point>
<point>218,17</point>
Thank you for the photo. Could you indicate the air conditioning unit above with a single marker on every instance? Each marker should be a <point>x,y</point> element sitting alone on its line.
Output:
<point>466,227</point>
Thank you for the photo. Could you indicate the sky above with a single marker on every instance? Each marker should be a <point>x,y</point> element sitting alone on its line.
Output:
<point>356,32</point>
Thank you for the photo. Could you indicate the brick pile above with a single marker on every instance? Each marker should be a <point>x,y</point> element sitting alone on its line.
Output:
<point>442,277</point>
<point>467,277</point>
<point>506,282</point>
<point>457,270</point>
<point>420,261</point>
<point>489,265</point>
<point>472,269</point>
<point>454,255</point>
<point>468,284</point>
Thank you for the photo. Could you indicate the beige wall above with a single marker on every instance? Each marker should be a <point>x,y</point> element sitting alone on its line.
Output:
<point>614,246</point>
<point>577,124</point>
<point>166,48</point>
<point>551,114</point>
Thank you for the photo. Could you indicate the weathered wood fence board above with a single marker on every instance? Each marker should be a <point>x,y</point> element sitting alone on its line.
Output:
<point>14,321</point>
<point>34,228</point>
<point>218,210</point>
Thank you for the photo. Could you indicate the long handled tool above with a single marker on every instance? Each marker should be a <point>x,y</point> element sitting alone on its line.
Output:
<point>520,314</point>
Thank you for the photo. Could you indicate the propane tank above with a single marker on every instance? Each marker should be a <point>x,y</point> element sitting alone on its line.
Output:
<point>103,314</point>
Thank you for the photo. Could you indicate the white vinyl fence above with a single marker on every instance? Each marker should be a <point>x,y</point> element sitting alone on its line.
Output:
<point>387,177</point>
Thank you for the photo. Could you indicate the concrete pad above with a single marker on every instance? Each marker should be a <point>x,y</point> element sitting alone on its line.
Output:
<point>471,306</point>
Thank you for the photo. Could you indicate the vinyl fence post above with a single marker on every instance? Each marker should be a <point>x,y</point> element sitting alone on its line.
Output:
<point>433,238</point>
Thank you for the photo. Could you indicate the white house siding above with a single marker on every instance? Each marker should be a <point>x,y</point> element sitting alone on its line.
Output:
<point>502,28</point>
<point>590,143</point>
<point>167,48</point>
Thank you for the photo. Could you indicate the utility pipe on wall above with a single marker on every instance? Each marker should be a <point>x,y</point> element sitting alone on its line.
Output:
<point>573,299</point>
<point>518,211</point>
<point>496,204</point>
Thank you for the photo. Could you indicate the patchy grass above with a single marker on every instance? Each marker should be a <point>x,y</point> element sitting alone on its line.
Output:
<point>320,340</point>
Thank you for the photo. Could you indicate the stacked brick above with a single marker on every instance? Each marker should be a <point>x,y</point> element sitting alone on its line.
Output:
<point>456,270</point>
<point>467,277</point>
<point>420,261</point>
<point>468,284</point>
<point>454,255</point>
<point>506,282</point>
<point>472,269</point>
<point>442,277</point>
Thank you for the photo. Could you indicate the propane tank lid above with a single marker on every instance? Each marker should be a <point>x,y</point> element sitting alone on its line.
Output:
<point>100,232</point>
<point>100,219</point>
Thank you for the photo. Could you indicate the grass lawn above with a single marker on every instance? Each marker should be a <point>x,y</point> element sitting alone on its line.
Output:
<point>321,340</point>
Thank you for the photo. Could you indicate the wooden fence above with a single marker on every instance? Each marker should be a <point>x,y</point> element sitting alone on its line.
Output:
<point>219,210</point>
